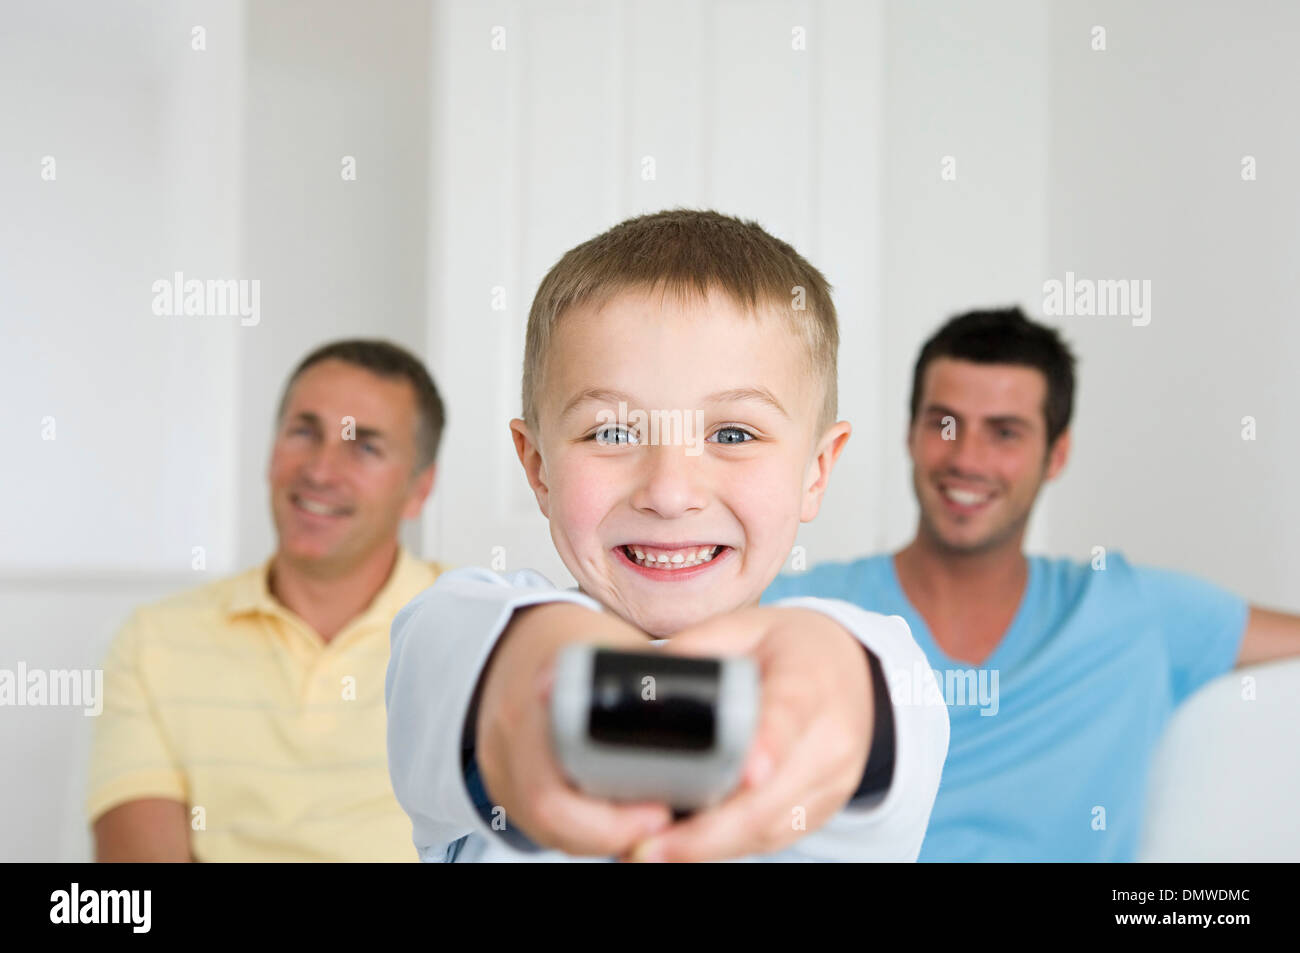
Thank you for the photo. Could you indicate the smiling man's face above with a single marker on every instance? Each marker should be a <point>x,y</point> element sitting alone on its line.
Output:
<point>669,534</point>
<point>336,500</point>
<point>977,489</point>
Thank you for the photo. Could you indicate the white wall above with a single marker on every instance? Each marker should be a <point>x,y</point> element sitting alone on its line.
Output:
<point>145,136</point>
<point>1145,169</point>
<point>966,81</point>
<point>337,258</point>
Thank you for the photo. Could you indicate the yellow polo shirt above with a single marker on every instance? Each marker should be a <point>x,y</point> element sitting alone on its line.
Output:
<point>225,700</point>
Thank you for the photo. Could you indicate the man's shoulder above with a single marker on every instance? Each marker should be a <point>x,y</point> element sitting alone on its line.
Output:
<point>1164,588</point>
<point>1108,585</point>
<point>476,584</point>
<point>836,579</point>
<point>197,614</point>
<point>417,576</point>
<point>516,579</point>
<point>1105,571</point>
<point>217,593</point>
<point>416,567</point>
<point>433,567</point>
<point>216,598</point>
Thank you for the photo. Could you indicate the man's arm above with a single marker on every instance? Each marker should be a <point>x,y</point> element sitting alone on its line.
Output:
<point>150,830</point>
<point>137,792</point>
<point>1269,636</point>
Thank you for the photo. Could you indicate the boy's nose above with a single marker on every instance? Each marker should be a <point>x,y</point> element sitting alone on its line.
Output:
<point>670,482</point>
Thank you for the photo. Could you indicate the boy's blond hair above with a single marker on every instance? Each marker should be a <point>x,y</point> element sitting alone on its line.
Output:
<point>686,252</point>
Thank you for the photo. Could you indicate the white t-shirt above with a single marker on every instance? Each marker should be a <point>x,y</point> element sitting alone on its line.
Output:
<point>443,638</point>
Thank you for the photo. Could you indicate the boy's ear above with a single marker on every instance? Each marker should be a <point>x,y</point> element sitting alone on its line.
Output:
<point>819,471</point>
<point>530,458</point>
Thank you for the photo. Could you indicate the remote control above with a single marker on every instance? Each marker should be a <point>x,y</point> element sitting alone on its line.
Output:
<point>646,726</point>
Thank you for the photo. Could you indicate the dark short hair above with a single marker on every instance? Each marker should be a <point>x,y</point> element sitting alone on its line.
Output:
<point>1006,336</point>
<point>388,360</point>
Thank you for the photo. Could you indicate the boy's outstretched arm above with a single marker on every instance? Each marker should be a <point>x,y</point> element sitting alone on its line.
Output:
<point>803,788</point>
<point>444,643</point>
<point>891,825</point>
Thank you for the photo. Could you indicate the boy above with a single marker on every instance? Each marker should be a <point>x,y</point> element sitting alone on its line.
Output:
<point>720,323</point>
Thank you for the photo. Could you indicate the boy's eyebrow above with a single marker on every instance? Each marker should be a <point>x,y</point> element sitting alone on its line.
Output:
<point>760,394</point>
<point>602,394</point>
<point>606,395</point>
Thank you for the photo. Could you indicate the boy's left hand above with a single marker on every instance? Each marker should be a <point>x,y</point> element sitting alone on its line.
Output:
<point>812,740</point>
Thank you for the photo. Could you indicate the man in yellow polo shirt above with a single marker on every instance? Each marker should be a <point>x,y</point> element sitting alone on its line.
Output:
<point>244,721</point>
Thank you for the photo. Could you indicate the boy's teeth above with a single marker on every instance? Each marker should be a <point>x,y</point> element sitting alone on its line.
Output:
<point>672,558</point>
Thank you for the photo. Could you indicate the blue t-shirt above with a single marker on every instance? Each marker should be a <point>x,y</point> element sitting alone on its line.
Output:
<point>1052,736</point>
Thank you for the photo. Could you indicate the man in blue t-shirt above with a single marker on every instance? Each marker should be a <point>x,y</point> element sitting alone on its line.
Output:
<point>1059,676</point>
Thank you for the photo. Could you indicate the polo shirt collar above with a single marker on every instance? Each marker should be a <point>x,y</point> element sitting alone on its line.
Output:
<point>251,591</point>
<point>409,577</point>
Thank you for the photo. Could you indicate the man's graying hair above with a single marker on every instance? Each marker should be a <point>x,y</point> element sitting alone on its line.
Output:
<point>390,361</point>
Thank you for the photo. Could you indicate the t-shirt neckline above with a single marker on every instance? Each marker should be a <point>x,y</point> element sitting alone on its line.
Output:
<point>1011,638</point>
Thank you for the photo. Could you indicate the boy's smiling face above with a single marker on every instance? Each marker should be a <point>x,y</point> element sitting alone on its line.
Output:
<point>717,509</point>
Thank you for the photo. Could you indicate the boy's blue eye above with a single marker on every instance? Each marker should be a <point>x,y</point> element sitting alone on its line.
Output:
<point>733,435</point>
<point>615,435</point>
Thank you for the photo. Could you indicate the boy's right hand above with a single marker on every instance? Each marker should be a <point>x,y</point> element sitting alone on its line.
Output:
<point>515,756</point>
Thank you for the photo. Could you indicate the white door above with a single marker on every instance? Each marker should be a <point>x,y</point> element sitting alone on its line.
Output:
<point>553,122</point>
